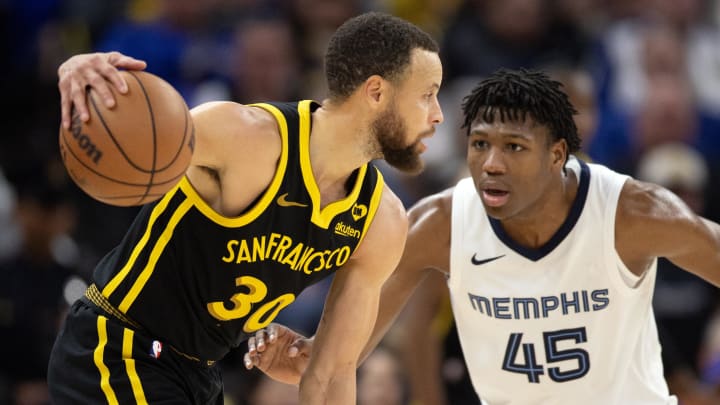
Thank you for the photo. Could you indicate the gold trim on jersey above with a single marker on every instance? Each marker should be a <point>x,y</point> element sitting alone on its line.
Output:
<point>374,204</point>
<point>137,388</point>
<point>93,294</point>
<point>267,197</point>
<point>321,218</point>
<point>100,364</point>
<point>156,212</point>
<point>155,254</point>
<point>99,353</point>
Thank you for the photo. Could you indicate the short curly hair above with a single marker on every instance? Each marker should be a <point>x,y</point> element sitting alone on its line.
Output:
<point>515,94</point>
<point>372,43</point>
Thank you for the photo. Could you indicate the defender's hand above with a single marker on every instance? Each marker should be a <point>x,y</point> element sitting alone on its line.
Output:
<point>94,70</point>
<point>279,352</point>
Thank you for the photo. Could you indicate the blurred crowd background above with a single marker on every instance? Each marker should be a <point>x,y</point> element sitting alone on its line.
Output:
<point>643,74</point>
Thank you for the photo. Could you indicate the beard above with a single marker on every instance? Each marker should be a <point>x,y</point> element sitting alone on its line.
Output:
<point>389,130</point>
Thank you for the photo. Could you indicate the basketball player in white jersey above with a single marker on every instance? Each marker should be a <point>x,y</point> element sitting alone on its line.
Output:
<point>550,261</point>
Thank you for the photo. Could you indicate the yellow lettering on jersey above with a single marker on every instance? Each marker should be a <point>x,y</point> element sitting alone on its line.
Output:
<point>306,253</point>
<point>268,311</point>
<point>343,256</point>
<point>292,257</point>
<point>231,251</point>
<point>282,249</point>
<point>317,255</point>
<point>285,243</point>
<point>242,302</point>
<point>244,253</point>
<point>272,243</point>
<point>259,249</point>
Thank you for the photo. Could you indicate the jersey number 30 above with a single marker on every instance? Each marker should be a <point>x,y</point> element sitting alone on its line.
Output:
<point>242,305</point>
<point>530,365</point>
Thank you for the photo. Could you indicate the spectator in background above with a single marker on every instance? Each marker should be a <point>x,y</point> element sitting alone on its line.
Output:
<point>381,380</point>
<point>261,62</point>
<point>9,235</point>
<point>669,39</point>
<point>710,360</point>
<point>683,303</point>
<point>270,392</point>
<point>430,15</point>
<point>44,266</point>
<point>580,90</point>
<point>487,35</point>
<point>313,23</point>
<point>179,43</point>
<point>667,114</point>
<point>264,63</point>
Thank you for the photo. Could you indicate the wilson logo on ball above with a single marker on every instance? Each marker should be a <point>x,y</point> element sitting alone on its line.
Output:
<point>84,141</point>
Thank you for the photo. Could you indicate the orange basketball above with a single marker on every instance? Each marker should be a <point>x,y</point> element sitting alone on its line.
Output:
<point>135,152</point>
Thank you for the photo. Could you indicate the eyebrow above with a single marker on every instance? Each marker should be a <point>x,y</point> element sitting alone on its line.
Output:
<point>512,135</point>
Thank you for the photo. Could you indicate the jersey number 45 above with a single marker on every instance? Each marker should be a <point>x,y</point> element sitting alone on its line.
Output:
<point>534,370</point>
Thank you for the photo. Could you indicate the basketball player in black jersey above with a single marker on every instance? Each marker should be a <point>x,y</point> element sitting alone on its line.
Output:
<point>277,197</point>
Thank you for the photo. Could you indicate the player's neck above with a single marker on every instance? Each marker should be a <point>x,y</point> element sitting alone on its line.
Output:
<point>337,140</point>
<point>541,221</point>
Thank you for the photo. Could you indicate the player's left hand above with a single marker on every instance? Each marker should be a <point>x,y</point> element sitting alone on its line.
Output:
<point>279,352</point>
<point>98,70</point>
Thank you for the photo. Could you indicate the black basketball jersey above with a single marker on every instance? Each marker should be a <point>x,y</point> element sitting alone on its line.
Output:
<point>202,281</point>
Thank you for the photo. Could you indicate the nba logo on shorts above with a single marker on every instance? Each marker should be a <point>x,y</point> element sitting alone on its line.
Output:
<point>156,349</point>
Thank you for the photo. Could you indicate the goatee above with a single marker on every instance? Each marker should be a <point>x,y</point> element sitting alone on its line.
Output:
<point>389,130</point>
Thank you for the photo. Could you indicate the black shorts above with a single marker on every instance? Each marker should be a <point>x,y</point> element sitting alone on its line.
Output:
<point>97,359</point>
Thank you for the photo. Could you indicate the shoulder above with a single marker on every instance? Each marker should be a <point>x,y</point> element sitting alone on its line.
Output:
<point>223,128</point>
<point>649,223</point>
<point>388,229</point>
<point>428,241</point>
<point>391,214</point>
<point>641,204</point>
<point>433,211</point>
<point>382,245</point>
<point>228,116</point>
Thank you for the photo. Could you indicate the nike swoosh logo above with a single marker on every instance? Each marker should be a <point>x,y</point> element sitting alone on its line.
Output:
<point>285,203</point>
<point>479,262</point>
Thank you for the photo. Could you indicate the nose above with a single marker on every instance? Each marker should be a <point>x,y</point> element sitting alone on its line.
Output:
<point>436,114</point>
<point>494,162</point>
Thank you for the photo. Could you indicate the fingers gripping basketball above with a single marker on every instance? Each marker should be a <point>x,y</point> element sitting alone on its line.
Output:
<point>135,152</point>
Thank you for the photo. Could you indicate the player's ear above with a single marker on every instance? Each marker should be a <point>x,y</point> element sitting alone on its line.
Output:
<point>559,151</point>
<point>375,89</point>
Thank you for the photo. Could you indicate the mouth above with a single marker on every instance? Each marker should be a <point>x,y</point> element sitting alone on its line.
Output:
<point>494,197</point>
<point>419,145</point>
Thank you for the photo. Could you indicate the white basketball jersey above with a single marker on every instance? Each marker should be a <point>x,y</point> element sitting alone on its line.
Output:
<point>566,323</point>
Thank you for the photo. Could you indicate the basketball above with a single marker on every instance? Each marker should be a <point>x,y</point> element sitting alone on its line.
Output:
<point>135,152</point>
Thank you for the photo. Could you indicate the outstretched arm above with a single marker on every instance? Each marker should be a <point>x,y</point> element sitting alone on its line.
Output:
<point>282,354</point>
<point>653,222</point>
<point>427,249</point>
<point>418,337</point>
<point>351,308</point>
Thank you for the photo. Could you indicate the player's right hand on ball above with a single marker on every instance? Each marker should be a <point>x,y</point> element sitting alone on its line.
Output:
<point>94,70</point>
<point>279,352</point>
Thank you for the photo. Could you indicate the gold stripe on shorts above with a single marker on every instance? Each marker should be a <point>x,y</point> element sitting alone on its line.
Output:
<point>93,294</point>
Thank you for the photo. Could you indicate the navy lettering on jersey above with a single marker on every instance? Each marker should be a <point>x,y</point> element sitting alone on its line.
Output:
<point>566,303</point>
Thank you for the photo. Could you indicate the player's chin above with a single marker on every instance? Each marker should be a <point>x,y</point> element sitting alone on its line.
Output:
<point>411,164</point>
<point>499,213</point>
